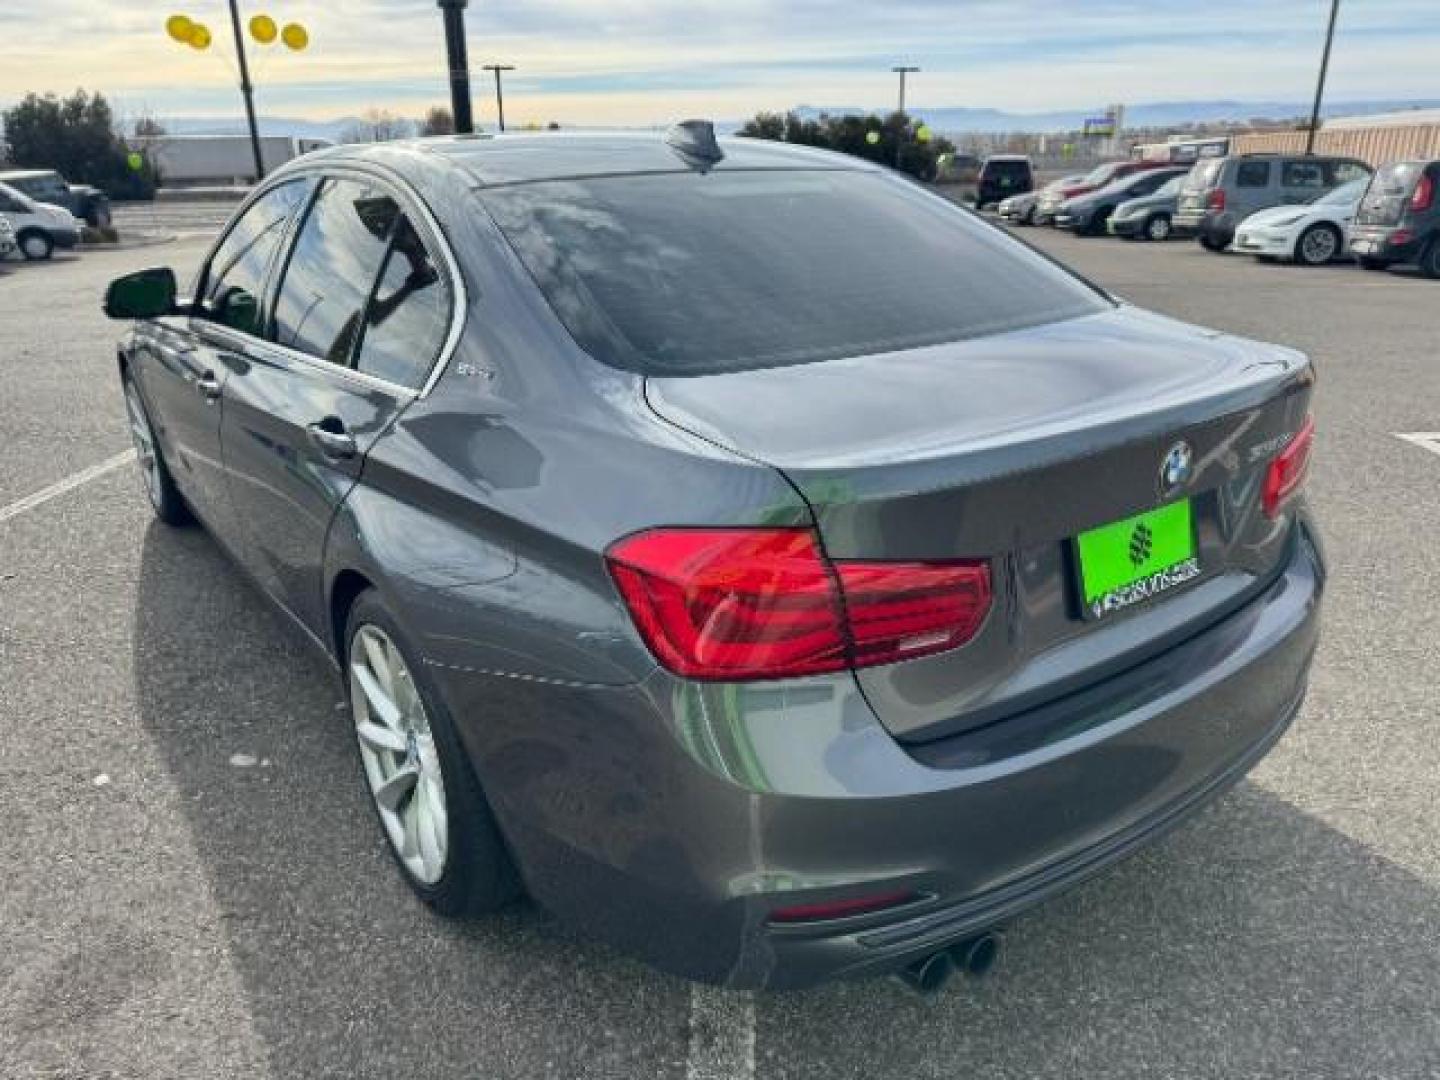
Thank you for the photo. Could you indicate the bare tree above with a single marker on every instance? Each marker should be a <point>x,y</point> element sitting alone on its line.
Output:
<point>437,121</point>
<point>377,125</point>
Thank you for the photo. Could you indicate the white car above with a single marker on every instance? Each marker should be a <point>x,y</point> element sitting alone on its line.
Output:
<point>39,227</point>
<point>7,236</point>
<point>1311,234</point>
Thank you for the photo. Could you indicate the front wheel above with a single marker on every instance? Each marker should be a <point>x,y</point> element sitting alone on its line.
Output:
<point>1318,245</point>
<point>36,246</point>
<point>1158,227</point>
<point>165,498</point>
<point>435,816</point>
<point>1209,243</point>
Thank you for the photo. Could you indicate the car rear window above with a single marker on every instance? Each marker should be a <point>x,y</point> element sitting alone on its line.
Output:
<point>1204,175</point>
<point>1006,168</point>
<point>1397,178</point>
<point>690,273</point>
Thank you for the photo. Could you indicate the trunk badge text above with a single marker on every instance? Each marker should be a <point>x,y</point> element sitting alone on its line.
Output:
<point>1176,467</point>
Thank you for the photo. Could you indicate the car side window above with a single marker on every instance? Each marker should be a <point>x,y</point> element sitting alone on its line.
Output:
<point>11,206</point>
<point>235,278</point>
<point>332,269</point>
<point>1302,174</point>
<point>1346,171</point>
<point>409,313</point>
<point>1252,174</point>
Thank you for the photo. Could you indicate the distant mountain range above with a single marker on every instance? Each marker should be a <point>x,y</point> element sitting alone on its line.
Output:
<point>944,119</point>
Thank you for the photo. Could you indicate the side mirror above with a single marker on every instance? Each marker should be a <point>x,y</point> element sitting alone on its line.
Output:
<point>145,294</point>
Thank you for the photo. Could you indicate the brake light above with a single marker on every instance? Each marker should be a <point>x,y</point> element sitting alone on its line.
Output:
<point>1287,471</point>
<point>839,909</point>
<point>743,604</point>
<point>1215,200</point>
<point>1424,193</point>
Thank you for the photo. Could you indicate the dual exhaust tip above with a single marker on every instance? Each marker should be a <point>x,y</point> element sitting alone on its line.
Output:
<point>974,956</point>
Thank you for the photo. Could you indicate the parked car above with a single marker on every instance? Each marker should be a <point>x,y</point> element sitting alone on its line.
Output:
<point>1003,175</point>
<point>89,204</point>
<point>1020,209</point>
<point>1088,214</point>
<point>1148,217</point>
<point>1399,218</point>
<point>634,572</point>
<point>1095,179</point>
<point>39,227</point>
<point>1220,193</point>
<point>7,237</point>
<point>1311,233</point>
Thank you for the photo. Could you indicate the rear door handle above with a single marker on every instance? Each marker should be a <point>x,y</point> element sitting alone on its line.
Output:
<point>332,439</point>
<point>208,386</point>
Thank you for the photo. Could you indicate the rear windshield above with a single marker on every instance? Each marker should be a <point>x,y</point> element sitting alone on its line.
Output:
<point>690,273</point>
<point>1397,178</point>
<point>1006,168</point>
<point>1204,174</point>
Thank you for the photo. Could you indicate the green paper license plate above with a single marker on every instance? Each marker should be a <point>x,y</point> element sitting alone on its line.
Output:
<point>1130,561</point>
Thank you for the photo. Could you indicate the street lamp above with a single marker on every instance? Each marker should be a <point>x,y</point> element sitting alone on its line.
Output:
<point>186,31</point>
<point>459,64</point>
<point>499,96</point>
<point>1320,83</point>
<point>902,70</point>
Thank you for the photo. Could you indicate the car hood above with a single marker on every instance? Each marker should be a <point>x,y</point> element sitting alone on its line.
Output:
<point>1276,214</point>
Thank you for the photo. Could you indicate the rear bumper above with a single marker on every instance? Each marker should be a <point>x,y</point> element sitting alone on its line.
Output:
<point>1378,243</point>
<point>672,818</point>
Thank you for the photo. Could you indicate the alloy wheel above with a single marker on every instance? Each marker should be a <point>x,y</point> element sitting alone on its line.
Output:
<point>144,439</point>
<point>34,247</point>
<point>1317,246</point>
<point>398,751</point>
<point>1158,228</point>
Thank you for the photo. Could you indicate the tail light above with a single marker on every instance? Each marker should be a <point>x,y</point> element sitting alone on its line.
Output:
<point>1287,471</point>
<point>1215,200</point>
<point>1424,193</point>
<point>840,909</point>
<point>743,604</point>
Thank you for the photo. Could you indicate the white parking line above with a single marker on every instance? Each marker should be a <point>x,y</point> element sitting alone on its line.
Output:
<point>722,1034</point>
<point>70,483</point>
<point>1426,440</point>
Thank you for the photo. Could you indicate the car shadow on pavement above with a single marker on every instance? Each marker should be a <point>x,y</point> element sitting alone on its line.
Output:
<point>1256,942</point>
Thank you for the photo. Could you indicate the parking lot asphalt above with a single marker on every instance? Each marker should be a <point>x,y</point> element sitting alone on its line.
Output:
<point>195,887</point>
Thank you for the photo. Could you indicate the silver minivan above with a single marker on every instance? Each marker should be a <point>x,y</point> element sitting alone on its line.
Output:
<point>1222,192</point>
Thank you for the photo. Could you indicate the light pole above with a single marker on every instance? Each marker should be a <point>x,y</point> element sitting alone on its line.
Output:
<point>902,70</point>
<point>247,91</point>
<point>459,64</point>
<point>1320,83</point>
<point>499,95</point>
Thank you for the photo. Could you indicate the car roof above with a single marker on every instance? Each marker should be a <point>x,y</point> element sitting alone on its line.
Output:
<point>525,157</point>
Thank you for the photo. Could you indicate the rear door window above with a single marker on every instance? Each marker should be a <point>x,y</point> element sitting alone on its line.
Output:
<point>332,269</point>
<point>409,314</point>
<point>1252,174</point>
<point>1347,171</point>
<point>689,273</point>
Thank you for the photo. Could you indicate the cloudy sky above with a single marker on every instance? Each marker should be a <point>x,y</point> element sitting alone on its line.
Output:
<point>646,61</point>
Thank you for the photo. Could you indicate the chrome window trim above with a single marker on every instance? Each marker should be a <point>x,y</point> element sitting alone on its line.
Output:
<point>414,205</point>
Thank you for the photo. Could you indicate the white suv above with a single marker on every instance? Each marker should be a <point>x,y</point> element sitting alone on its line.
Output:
<point>39,227</point>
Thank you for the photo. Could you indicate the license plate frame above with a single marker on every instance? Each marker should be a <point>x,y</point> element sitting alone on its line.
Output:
<point>1135,559</point>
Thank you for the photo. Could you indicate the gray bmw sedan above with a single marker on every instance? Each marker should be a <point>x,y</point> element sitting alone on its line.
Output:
<point>767,565</point>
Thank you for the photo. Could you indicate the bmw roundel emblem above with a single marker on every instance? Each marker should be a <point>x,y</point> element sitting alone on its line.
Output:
<point>1177,467</point>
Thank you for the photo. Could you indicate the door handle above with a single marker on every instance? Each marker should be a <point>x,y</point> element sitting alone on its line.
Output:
<point>208,386</point>
<point>331,438</point>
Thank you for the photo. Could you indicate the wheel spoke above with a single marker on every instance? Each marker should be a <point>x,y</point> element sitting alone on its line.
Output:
<point>376,697</point>
<point>431,841</point>
<point>392,792</point>
<point>376,650</point>
<point>380,737</point>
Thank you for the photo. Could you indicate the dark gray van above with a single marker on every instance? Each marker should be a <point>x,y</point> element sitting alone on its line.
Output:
<point>1222,192</point>
<point>1399,218</point>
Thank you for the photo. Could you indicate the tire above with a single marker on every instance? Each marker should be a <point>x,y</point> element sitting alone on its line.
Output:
<point>1028,218</point>
<point>35,245</point>
<point>1099,221</point>
<point>474,872</point>
<point>1157,227</point>
<point>165,498</point>
<point>1369,263</point>
<point>1430,259</point>
<point>1210,244</point>
<point>1318,245</point>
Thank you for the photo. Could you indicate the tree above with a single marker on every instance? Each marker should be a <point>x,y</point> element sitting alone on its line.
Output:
<point>377,125</point>
<point>437,121</point>
<point>77,137</point>
<point>897,140</point>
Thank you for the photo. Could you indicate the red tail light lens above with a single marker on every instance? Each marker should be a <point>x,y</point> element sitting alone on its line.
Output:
<point>1424,193</point>
<point>840,909</point>
<point>743,604</point>
<point>1287,472</point>
<point>1215,200</point>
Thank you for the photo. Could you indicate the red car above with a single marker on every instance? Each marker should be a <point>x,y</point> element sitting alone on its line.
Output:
<point>1095,179</point>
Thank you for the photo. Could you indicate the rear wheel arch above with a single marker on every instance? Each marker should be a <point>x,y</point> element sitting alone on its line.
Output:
<point>346,587</point>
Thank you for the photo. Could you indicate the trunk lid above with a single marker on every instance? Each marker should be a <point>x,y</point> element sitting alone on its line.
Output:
<point>1007,447</point>
<point>1388,196</point>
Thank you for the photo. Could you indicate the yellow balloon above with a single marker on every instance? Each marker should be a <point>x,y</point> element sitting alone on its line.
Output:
<point>200,36</point>
<point>922,133</point>
<point>872,137</point>
<point>179,27</point>
<point>295,36</point>
<point>263,29</point>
